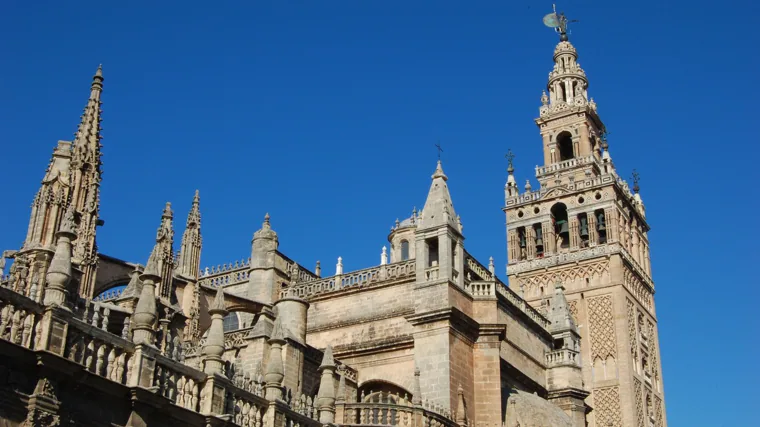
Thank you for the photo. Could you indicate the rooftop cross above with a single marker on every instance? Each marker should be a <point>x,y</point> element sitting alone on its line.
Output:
<point>440,150</point>
<point>510,156</point>
<point>635,177</point>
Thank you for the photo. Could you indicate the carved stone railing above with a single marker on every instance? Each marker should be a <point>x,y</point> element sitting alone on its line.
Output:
<point>563,356</point>
<point>19,319</point>
<point>110,294</point>
<point>226,277</point>
<point>354,279</point>
<point>177,382</point>
<point>232,339</point>
<point>473,266</point>
<point>432,273</point>
<point>521,304</point>
<point>388,410</point>
<point>567,164</point>
<point>100,352</point>
<point>481,288</point>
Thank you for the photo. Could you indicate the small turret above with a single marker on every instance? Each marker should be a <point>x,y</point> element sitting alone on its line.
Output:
<point>145,314</point>
<point>261,277</point>
<point>274,372</point>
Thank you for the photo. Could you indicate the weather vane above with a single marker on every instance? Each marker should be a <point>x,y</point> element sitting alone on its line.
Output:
<point>440,150</point>
<point>510,156</point>
<point>635,177</point>
<point>559,22</point>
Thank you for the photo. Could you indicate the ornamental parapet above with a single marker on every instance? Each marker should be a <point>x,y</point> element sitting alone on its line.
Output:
<point>352,280</point>
<point>384,409</point>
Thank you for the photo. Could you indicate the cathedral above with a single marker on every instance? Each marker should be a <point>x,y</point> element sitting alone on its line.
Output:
<point>430,337</point>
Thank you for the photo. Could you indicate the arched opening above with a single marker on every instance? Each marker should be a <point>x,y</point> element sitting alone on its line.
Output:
<point>231,322</point>
<point>404,250</point>
<point>565,144</point>
<point>561,228</point>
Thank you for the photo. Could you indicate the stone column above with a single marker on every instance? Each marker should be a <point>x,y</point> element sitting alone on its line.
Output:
<point>487,375</point>
<point>59,272</point>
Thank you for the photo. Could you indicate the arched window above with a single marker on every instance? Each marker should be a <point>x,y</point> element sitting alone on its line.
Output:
<point>565,144</point>
<point>404,250</point>
<point>231,322</point>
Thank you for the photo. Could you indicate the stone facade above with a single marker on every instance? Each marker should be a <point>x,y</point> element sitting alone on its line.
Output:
<point>430,337</point>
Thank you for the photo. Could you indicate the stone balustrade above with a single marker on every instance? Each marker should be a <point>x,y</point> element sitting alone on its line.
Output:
<point>19,319</point>
<point>354,279</point>
<point>563,356</point>
<point>388,410</point>
<point>567,164</point>
<point>480,288</point>
<point>110,294</point>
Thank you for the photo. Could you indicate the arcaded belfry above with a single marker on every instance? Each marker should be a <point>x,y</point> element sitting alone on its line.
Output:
<point>429,336</point>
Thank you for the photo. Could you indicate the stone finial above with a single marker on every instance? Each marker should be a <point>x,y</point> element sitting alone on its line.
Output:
<point>416,390</point>
<point>59,273</point>
<point>318,269</point>
<point>274,371</point>
<point>439,172</point>
<point>461,415</point>
<point>327,358</point>
<point>326,394</point>
<point>459,223</point>
<point>384,256</point>
<point>528,187</point>
<point>339,267</point>
<point>491,267</point>
<point>544,98</point>
<point>145,315</point>
<point>213,348</point>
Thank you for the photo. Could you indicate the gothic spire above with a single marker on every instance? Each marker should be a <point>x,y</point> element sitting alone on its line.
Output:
<point>439,209</point>
<point>189,262</point>
<point>164,251</point>
<point>87,138</point>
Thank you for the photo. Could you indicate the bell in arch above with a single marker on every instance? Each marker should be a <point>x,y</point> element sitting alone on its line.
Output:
<point>539,237</point>
<point>562,226</point>
<point>522,240</point>
<point>584,226</point>
<point>600,223</point>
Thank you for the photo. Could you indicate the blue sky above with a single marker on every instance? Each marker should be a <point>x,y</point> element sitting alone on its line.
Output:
<point>325,114</point>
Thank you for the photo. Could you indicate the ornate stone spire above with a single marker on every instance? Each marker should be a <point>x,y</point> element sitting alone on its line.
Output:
<point>85,184</point>
<point>189,263</point>
<point>213,349</point>
<point>262,285</point>
<point>59,272</point>
<point>326,394</point>
<point>165,252</point>
<point>439,209</point>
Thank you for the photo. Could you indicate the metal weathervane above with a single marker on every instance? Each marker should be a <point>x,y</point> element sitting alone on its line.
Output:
<point>559,22</point>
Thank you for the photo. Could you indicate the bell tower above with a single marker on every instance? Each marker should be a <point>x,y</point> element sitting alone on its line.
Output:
<point>585,228</point>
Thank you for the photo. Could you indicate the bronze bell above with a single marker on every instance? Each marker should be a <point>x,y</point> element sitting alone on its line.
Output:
<point>600,224</point>
<point>584,226</point>
<point>522,240</point>
<point>562,226</point>
<point>539,237</point>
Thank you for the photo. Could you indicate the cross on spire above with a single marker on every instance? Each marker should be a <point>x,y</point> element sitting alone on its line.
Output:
<point>635,177</point>
<point>510,156</point>
<point>440,150</point>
